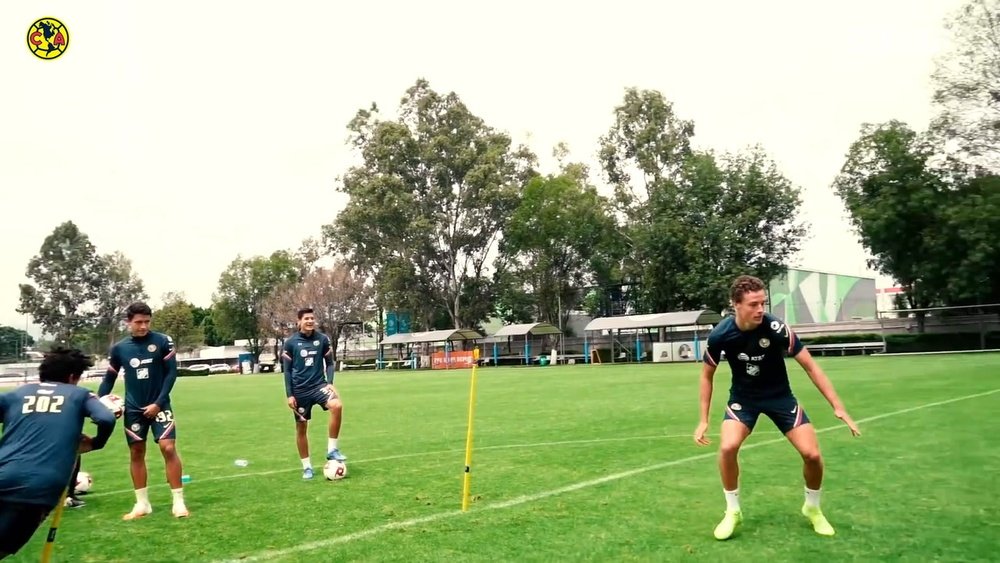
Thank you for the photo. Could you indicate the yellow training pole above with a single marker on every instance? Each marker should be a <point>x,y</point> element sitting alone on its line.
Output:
<point>54,527</point>
<point>468,437</point>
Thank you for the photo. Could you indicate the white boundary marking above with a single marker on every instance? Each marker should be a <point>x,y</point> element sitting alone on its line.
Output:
<point>524,499</point>
<point>421,454</point>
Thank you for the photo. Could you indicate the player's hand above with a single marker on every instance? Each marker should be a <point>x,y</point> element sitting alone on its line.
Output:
<point>842,415</point>
<point>292,403</point>
<point>699,434</point>
<point>86,444</point>
<point>150,411</point>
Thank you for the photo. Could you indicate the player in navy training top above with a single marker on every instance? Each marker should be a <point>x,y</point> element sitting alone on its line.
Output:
<point>307,359</point>
<point>42,426</point>
<point>148,362</point>
<point>755,345</point>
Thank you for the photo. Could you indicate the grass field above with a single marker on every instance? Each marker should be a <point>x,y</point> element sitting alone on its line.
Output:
<point>578,463</point>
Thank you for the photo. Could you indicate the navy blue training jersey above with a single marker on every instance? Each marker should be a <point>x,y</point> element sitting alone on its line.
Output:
<point>42,423</point>
<point>307,361</point>
<point>150,369</point>
<point>756,357</point>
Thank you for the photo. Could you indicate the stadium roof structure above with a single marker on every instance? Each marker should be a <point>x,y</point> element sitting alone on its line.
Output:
<point>655,320</point>
<point>527,329</point>
<point>431,336</point>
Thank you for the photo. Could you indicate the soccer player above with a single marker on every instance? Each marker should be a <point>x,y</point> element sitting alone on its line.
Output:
<point>309,383</point>
<point>42,425</point>
<point>150,368</point>
<point>755,344</point>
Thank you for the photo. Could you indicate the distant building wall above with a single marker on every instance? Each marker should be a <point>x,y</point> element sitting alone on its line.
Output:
<point>803,296</point>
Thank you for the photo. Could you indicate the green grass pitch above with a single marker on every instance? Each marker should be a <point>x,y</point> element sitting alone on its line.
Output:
<point>577,463</point>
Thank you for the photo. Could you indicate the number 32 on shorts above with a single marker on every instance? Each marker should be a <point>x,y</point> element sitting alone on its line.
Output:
<point>165,416</point>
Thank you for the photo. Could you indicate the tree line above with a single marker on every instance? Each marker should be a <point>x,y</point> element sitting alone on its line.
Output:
<point>451,222</point>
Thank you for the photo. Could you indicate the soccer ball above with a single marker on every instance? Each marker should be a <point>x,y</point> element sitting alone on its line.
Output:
<point>335,470</point>
<point>83,482</point>
<point>114,403</point>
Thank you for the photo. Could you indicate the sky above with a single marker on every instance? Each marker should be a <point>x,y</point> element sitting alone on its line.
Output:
<point>184,134</point>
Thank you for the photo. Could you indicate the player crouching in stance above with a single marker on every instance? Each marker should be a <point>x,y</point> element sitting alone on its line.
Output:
<point>149,364</point>
<point>42,425</point>
<point>307,359</point>
<point>755,344</point>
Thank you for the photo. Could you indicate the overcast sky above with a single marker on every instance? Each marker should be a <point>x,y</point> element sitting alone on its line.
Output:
<point>170,131</point>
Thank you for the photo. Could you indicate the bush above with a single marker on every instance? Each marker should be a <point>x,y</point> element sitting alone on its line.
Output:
<point>841,338</point>
<point>189,373</point>
<point>939,341</point>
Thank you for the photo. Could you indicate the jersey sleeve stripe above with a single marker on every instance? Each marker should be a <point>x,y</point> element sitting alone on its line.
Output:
<point>709,359</point>
<point>170,355</point>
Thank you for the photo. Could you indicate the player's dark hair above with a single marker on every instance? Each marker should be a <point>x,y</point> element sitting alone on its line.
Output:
<point>138,308</point>
<point>304,310</point>
<point>743,285</point>
<point>62,363</point>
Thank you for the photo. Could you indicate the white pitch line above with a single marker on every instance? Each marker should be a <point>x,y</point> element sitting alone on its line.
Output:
<point>524,499</point>
<point>424,454</point>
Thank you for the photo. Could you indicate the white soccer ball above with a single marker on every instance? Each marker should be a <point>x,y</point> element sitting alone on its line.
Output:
<point>114,403</point>
<point>83,482</point>
<point>334,470</point>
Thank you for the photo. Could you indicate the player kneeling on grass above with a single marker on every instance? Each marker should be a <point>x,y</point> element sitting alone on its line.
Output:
<point>42,426</point>
<point>149,364</point>
<point>307,358</point>
<point>755,344</point>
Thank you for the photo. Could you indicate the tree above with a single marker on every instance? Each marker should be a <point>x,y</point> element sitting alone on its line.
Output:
<point>896,202</point>
<point>176,318</point>
<point>557,241</point>
<point>647,145</point>
<point>241,293</point>
<point>340,299</point>
<point>67,275</point>
<point>692,220</point>
<point>203,320</point>
<point>428,203</point>
<point>120,287</point>
<point>13,342</point>
<point>967,86</point>
<point>968,249</point>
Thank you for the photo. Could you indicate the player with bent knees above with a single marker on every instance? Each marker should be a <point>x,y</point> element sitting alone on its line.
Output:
<point>755,345</point>
<point>42,425</point>
<point>307,358</point>
<point>150,370</point>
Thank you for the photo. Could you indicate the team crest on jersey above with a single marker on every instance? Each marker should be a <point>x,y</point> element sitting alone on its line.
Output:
<point>304,353</point>
<point>134,362</point>
<point>764,342</point>
<point>736,406</point>
<point>151,347</point>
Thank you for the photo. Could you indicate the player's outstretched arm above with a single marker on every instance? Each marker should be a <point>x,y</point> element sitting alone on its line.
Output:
<point>103,418</point>
<point>328,360</point>
<point>110,376</point>
<point>705,402</point>
<point>286,366</point>
<point>822,382</point>
<point>169,373</point>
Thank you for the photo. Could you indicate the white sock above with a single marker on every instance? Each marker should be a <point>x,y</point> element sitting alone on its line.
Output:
<point>306,464</point>
<point>178,495</point>
<point>142,496</point>
<point>331,444</point>
<point>732,499</point>
<point>812,497</point>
